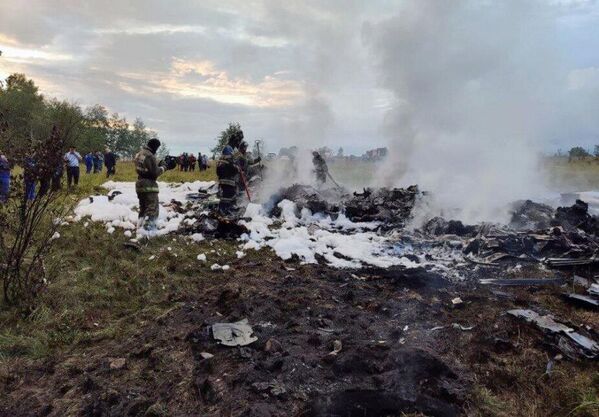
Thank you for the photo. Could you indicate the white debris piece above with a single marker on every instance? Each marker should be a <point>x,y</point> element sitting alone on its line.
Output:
<point>201,257</point>
<point>457,301</point>
<point>216,267</point>
<point>197,237</point>
<point>240,254</point>
<point>56,235</point>
<point>128,233</point>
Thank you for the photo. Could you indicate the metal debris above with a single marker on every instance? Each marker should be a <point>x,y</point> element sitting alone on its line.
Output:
<point>586,346</point>
<point>523,282</point>
<point>582,300</point>
<point>462,328</point>
<point>567,262</point>
<point>233,334</point>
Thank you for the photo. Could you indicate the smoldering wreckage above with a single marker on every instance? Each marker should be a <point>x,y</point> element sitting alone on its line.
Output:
<point>358,314</point>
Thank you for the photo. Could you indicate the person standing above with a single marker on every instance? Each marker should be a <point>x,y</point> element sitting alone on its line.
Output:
<point>205,162</point>
<point>148,170</point>
<point>4,178</point>
<point>57,177</point>
<point>227,172</point>
<point>89,162</point>
<point>95,162</point>
<point>192,162</point>
<point>181,162</point>
<point>110,162</point>
<point>29,177</point>
<point>100,159</point>
<point>320,168</point>
<point>72,159</point>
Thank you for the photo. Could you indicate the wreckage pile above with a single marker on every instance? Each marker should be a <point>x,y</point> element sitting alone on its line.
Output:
<point>560,238</point>
<point>391,208</point>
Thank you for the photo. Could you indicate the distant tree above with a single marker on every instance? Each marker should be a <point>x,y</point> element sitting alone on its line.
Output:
<point>97,128</point>
<point>340,153</point>
<point>118,132</point>
<point>234,130</point>
<point>30,118</point>
<point>138,137</point>
<point>163,151</point>
<point>22,107</point>
<point>577,152</point>
<point>596,151</point>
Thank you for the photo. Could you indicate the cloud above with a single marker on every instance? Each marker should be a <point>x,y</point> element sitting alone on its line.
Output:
<point>287,71</point>
<point>201,79</point>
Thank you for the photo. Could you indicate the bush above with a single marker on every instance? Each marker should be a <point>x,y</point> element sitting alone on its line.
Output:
<point>29,220</point>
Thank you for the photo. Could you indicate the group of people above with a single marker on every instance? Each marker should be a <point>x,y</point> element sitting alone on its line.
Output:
<point>39,178</point>
<point>187,162</point>
<point>234,168</point>
<point>94,162</point>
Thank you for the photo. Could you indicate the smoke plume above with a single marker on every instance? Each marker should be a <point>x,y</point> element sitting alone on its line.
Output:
<point>477,88</point>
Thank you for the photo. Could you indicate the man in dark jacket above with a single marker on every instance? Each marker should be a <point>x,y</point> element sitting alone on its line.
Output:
<point>110,162</point>
<point>89,162</point>
<point>148,170</point>
<point>227,172</point>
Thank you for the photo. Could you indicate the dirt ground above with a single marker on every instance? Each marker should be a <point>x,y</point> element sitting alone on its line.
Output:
<point>402,351</point>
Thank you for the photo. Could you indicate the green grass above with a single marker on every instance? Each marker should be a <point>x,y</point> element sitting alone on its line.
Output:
<point>572,176</point>
<point>103,290</point>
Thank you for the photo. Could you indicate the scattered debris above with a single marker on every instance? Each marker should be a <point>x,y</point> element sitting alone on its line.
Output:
<point>132,245</point>
<point>582,300</point>
<point>117,364</point>
<point>523,282</point>
<point>457,301</point>
<point>233,334</point>
<point>594,289</point>
<point>528,215</point>
<point>586,346</point>
<point>337,346</point>
<point>460,327</point>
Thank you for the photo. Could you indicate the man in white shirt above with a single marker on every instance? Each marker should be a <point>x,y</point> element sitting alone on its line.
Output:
<point>72,158</point>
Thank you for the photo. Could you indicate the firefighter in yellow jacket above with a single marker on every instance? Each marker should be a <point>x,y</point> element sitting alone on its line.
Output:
<point>148,170</point>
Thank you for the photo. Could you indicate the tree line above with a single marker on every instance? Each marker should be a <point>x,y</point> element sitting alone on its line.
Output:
<point>30,118</point>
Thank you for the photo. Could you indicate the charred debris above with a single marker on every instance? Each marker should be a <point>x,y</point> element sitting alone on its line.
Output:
<point>559,248</point>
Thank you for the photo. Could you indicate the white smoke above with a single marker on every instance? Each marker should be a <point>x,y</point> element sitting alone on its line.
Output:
<point>477,86</point>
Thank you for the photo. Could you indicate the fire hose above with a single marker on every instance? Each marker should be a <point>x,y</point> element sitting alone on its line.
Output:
<point>334,182</point>
<point>245,184</point>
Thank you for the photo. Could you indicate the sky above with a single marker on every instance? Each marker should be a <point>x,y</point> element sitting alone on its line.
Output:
<point>312,73</point>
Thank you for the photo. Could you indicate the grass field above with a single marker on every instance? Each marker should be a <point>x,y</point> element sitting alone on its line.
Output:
<point>572,176</point>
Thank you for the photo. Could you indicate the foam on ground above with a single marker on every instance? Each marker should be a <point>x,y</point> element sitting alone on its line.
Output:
<point>341,243</point>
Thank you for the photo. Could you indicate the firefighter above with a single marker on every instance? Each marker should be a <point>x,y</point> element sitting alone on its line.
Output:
<point>148,170</point>
<point>227,172</point>
<point>320,168</point>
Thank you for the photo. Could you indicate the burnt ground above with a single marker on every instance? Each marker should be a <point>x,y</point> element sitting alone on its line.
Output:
<point>400,351</point>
